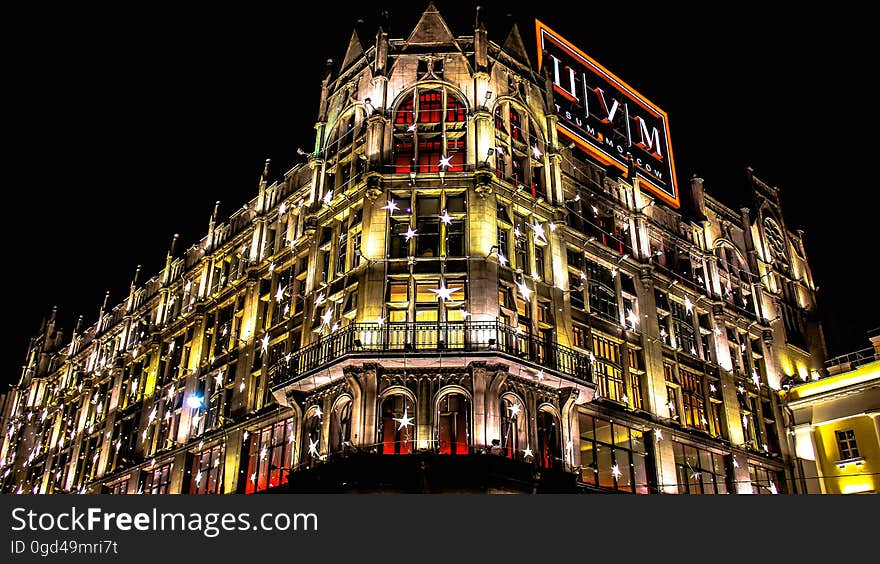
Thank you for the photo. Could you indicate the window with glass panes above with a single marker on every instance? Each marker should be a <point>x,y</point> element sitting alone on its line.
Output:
<point>429,124</point>
<point>749,415</point>
<point>395,436</point>
<point>636,376</point>
<point>207,471</point>
<point>765,481</point>
<point>606,368</point>
<point>519,145</point>
<point>613,455</point>
<point>700,471</point>
<point>672,386</point>
<point>156,480</point>
<point>846,444</point>
<point>693,399</point>
<point>601,292</point>
<point>269,456</point>
<point>683,327</point>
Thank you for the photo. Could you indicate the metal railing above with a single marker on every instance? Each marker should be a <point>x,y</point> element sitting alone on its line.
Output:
<point>851,360</point>
<point>417,338</point>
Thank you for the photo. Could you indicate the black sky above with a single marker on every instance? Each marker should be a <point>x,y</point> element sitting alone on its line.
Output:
<point>124,125</point>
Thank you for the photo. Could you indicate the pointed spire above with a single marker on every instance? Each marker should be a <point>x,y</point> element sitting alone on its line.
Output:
<point>515,47</point>
<point>481,43</point>
<point>431,29</point>
<point>79,322</point>
<point>354,51</point>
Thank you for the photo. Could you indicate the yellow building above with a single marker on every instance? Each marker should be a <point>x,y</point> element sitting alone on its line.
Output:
<point>836,428</point>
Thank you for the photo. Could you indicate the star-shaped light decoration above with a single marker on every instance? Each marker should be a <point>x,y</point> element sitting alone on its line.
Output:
<point>241,386</point>
<point>444,293</point>
<point>465,314</point>
<point>287,357</point>
<point>320,299</point>
<point>595,210</point>
<point>536,152</point>
<point>405,420</point>
<point>624,398</point>
<point>740,389</point>
<point>282,209</point>
<point>524,290</point>
<point>199,477</point>
<point>446,218</point>
<point>410,233</point>
<point>328,197</point>
<point>318,412</point>
<point>538,231</point>
<point>313,448</point>
<point>445,162</point>
<point>514,409</point>
<point>279,295</point>
<point>552,226</point>
<point>327,318</point>
<point>632,318</point>
<point>712,388</point>
<point>264,342</point>
<point>528,452</point>
<point>219,378</point>
<point>756,378</point>
<point>411,128</point>
<point>658,433</point>
<point>502,260</point>
<point>735,463</point>
<point>539,374</point>
<point>264,453</point>
<point>391,206</point>
<point>380,321</point>
<point>615,471</point>
<point>688,305</point>
<point>772,488</point>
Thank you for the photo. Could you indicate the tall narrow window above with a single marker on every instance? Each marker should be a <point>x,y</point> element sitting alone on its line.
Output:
<point>397,429</point>
<point>511,410</point>
<point>549,452</point>
<point>453,432</point>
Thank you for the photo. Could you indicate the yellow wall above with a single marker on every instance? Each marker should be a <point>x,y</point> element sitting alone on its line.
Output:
<point>851,478</point>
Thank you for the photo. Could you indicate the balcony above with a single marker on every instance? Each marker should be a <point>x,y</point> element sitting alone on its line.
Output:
<point>371,340</point>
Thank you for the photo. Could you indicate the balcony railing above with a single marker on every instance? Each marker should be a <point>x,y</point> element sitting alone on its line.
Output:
<point>419,338</point>
<point>850,361</point>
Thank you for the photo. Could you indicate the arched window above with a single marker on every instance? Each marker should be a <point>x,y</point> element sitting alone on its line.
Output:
<point>549,454</point>
<point>397,428</point>
<point>340,426</point>
<point>519,147</point>
<point>511,413</point>
<point>429,128</point>
<point>311,440</point>
<point>453,424</point>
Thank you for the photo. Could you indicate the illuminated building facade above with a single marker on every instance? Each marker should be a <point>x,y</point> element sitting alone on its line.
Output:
<point>835,421</point>
<point>451,294</point>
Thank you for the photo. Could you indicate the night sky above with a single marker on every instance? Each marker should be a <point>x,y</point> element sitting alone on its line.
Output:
<point>124,127</point>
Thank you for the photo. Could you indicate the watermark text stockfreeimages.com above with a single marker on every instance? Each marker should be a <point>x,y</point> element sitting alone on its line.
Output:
<point>208,524</point>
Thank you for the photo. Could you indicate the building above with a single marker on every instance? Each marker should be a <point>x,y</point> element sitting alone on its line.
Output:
<point>834,420</point>
<point>456,277</point>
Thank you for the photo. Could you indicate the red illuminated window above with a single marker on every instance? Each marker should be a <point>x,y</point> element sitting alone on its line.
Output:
<point>455,150</point>
<point>548,440</point>
<point>397,425</point>
<point>515,125</point>
<point>454,110</point>
<point>454,424</point>
<point>430,106</point>
<point>403,156</point>
<point>269,456</point>
<point>429,153</point>
<point>405,112</point>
